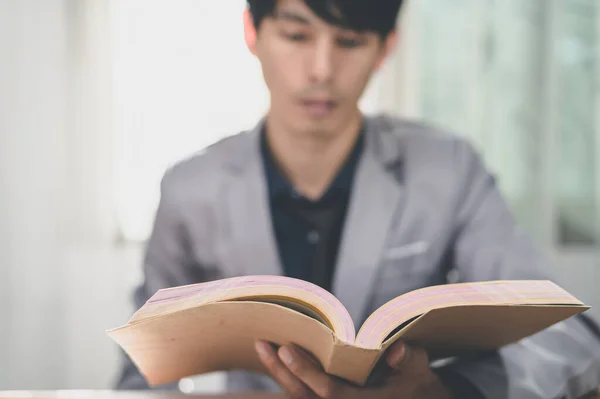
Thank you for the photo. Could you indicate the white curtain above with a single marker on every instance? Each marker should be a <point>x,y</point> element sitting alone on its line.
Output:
<point>33,123</point>
<point>63,281</point>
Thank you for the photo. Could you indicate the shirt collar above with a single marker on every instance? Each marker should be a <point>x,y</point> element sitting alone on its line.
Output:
<point>279,185</point>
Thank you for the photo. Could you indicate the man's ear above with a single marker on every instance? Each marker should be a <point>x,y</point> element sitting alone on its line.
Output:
<point>250,33</point>
<point>388,48</point>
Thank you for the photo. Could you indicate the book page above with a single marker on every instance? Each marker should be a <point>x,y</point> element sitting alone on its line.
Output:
<point>298,307</point>
<point>382,323</point>
<point>302,296</point>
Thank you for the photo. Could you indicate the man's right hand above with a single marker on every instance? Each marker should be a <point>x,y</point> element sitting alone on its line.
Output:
<point>302,378</point>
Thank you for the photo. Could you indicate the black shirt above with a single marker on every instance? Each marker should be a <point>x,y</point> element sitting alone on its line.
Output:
<point>308,233</point>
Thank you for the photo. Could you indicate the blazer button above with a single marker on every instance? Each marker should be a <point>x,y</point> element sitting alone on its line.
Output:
<point>314,237</point>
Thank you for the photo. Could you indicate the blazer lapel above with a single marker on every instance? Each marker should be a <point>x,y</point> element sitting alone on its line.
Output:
<point>374,205</point>
<point>252,248</point>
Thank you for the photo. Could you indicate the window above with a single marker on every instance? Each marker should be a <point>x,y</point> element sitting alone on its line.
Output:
<point>520,79</point>
<point>183,80</point>
<point>578,102</point>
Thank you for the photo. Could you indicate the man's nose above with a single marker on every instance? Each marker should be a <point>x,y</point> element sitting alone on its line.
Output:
<point>322,61</point>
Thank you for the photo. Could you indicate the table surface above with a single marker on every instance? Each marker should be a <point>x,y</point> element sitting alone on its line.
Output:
<point>107,394</point>
<point>137,395</point>
<point>134,395</point>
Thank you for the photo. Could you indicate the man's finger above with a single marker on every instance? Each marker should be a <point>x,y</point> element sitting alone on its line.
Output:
<point>295,388</point>
<point>396,355</point>
<point>415,361</point>
<point>310,374</point>
<point>308,356</point>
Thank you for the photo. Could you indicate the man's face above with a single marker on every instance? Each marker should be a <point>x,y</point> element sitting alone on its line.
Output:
<point>315,72</point>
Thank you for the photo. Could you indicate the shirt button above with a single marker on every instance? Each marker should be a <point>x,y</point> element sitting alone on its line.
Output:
<point>313,237</point>
<point>453,276</point>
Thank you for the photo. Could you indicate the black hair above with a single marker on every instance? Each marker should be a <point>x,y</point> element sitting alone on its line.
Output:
<point>377,16</point>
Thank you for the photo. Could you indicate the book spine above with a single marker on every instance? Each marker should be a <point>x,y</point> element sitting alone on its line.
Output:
<point>352,363</point>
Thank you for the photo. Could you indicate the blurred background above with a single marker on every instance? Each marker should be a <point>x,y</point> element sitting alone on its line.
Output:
<point>99,97</point>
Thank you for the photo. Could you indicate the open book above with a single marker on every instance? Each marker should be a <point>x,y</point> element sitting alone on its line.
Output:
<point>212,326</point>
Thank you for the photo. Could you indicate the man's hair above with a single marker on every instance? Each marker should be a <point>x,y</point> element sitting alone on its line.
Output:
<point>359,15</point>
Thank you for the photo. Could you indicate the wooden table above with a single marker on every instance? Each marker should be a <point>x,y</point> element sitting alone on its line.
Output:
<point>135,395</point>
<point>124,395</point>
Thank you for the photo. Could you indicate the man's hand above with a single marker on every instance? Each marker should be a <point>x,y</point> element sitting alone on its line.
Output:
<point>302,378</point>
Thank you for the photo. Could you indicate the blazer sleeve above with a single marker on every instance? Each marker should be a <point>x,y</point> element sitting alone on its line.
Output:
<point>560,362</point>
<point>168,262</point>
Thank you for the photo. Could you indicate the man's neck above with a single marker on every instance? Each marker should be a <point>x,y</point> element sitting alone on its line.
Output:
<point>311,161</point>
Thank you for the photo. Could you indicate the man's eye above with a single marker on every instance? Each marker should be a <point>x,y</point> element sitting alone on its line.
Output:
<point>349,43</point>
<point>297,37</point>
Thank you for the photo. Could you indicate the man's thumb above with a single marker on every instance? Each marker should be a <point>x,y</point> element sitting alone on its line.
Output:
<point>397,355</point>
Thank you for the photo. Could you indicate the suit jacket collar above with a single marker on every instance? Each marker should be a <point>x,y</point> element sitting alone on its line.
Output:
<point>381,139</point>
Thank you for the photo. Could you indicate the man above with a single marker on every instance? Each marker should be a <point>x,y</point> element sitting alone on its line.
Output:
<point>368,208</point>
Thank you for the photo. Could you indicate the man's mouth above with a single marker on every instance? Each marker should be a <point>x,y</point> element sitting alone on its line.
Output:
<point>319,108</point>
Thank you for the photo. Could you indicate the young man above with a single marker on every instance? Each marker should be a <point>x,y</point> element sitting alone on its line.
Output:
<point>368,208</point>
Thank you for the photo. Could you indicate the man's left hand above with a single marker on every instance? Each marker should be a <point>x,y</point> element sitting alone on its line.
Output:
<point>302,378</point>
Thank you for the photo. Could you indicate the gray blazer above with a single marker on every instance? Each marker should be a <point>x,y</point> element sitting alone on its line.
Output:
<point>424,210</point>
